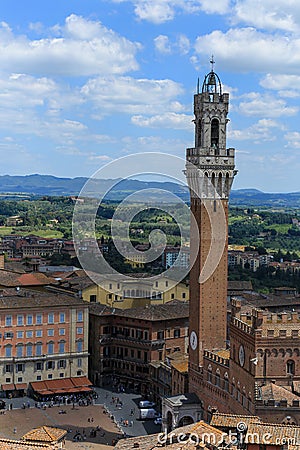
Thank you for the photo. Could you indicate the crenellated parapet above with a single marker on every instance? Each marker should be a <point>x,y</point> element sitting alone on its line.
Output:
<point>215,357</point>
<point>242,325</point>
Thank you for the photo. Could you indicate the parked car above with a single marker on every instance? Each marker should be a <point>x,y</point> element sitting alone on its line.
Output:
<point>146,414</point>
<point>158,421</point>
<point>146,404</point>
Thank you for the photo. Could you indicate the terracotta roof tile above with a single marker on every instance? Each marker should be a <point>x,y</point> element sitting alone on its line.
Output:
<point>10,444</point>
<point>181,365</point>
<point>272,391</point>
<point>274,433</point>
<point>26,298</point>
<point>152,442</point>
<point>223,353</point>
<point>14,279</point>
<point>45,434</point>
<point>170,310</point>
<point>231,420</point>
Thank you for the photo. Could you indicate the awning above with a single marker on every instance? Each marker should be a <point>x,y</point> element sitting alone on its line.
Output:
<point>8,387</point>
<point>21,386</point>
<point>38,385</point>
<point>84,389</point>
<point>62,386</point>
<point>81,381</point>
<point>58,391</point>
<point>45,392</point>
<point>65,383</point>
<point>70,390</point>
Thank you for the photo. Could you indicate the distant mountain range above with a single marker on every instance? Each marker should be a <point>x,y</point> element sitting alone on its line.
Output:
<point>118,189</point>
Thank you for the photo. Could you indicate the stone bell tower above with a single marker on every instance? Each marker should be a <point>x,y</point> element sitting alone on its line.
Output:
<point>210,171</point>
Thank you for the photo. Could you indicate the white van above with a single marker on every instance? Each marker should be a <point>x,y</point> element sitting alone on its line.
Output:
<point>146,414</point>
<point>146,404</point>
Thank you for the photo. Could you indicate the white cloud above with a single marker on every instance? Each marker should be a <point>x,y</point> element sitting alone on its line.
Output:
<point>160,11</point>
<point>167,120</point>
<point>155,11</point>
<point>84,48</point>
<point>183,44</point>
<point>144,144</point>
<point>246,49</point>
<point>162,44</point>
<point>265,105</point>
<point>133,96</point>
<point>293,139</point>
<point>31,105</point>
<point>268,14</point>
<point>286,85</point>
<point>261,131</point>
<point>104,158</point>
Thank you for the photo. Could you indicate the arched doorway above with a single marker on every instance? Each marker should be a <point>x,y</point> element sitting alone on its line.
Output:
<point>185,420</point>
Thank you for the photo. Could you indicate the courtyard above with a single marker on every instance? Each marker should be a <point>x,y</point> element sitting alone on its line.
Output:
<point>81,421</point>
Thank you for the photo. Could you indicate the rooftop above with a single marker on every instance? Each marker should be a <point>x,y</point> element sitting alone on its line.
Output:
<point>11,444</point>
<point>183,399</point>
<point>25,298</point>
<point>231,420</point>
<point>272,391</point>
<point>186,436</point>
<point>45,434</point>
<point>14,279</point>
<point>174,309</point>
<point>181,364</point>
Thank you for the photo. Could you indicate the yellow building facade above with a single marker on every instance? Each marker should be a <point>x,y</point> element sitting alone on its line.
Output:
<point>124,293</point>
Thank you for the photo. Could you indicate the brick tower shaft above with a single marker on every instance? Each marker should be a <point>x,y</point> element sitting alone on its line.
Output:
<point>210,171</point>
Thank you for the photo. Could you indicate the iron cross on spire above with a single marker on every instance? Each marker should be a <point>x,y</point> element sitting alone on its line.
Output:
<point>212,61</point>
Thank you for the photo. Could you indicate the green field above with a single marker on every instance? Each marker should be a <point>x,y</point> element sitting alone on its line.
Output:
<point>51,234</point>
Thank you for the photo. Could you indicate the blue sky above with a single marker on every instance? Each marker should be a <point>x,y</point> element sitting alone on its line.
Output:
<point>83,82</point>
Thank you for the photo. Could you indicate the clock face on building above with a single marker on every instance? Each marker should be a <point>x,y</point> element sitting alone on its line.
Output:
<point>242,355</point>
<point>193,340</point>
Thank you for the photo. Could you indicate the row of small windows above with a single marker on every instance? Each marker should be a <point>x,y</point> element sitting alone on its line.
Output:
<point>39,333</point>
<point>39,319</point>
<point>162,334</point>
<point>39,377</point>
<point>125,366</point>
<point>37,349</point>
<point>139,334</point>
<point>110,286</point>
<point>126,332</point>
<point>216,378</point>
<point>121,352</point>
<point>40,365</point>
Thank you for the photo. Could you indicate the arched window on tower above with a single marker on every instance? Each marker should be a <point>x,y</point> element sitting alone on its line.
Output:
<point>290,367</point>
<point>215,136</point>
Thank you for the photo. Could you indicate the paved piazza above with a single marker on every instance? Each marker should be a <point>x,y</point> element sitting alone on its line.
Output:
<point>15,423</point>
<point>18,421</point>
